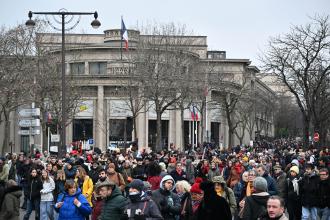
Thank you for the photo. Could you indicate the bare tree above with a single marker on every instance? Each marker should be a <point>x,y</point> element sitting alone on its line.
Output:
<point>162,60</point>
<point>16,62</point>
<point>301,59</point>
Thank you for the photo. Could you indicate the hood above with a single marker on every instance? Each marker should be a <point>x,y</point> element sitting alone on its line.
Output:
<point>15,190</point>
<point>78,192</point>
<point>115,192</point>
<point>165,178</point>
<point>260,198</point>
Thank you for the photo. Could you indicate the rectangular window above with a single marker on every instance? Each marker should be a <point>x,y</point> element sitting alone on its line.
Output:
<point>77,68</point>
<point>98,68</point>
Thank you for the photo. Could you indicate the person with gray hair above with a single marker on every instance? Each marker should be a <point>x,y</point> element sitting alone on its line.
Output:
<point>255,206</point>
<point>271,183</point>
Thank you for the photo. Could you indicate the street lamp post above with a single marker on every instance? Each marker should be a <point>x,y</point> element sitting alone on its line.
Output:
<point>63,13</point>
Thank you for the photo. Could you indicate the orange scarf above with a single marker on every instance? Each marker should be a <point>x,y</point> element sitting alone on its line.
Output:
<point>249,188</point>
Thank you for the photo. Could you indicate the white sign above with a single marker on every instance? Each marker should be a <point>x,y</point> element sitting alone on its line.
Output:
<point>28,112</point>
<point>55,138</point>
<point>53,148</point>
<point>29,123</point>
<point>28,132</point>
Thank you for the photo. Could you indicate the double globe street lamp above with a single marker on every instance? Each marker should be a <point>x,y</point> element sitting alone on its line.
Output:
<point>66,18</point>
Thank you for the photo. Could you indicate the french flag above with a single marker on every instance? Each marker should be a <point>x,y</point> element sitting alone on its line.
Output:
<point>124,35</point>
<point>194,113</point>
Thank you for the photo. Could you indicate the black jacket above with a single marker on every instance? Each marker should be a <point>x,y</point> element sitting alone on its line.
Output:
<point>289,194</point>
<point>255,206</point>
<point>148,207</point>
<point>177,177</point>
<point>94,174</point>
<point>161,198</point>
<point>309,190</point>
<point>213,207</point>
<point>186,212</point>
<point>34,187</point>
<point>324,190</point>
<point>138,172</point>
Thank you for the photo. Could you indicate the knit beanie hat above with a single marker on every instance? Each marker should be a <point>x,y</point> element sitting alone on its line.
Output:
<point>137,184</point>
<point>195,188</point>
<point>294,169</point>
<point>260,184</point>
<point>295,161</point>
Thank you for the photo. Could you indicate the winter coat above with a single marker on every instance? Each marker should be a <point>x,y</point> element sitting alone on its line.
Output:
<point>229,196</point>
<point>309,190</point>
<point>4,173</point>
<point>70,174</point>
<point>167,201</point>
<point>255,206</point>
<point>212,173</point>
<point>87,189</point>
<point>324,192</point>
<point>147,206</point>
<point>190,171</point>
<point>290,195</point>
<point>94,174</point>
<point>69,211</point>
<point>114,205</point>
<point>97,208</point>
<point>11,203</point>
<point>118,179</point>
<point>271,184</point>
<point>283,217</point>
<point>240,191</point>
<point>213,207</point>
<point>59,188</point>
<point>281,182</point>
<point>177,177</point>
<point>34,187</point>
<point>47,190</point>
<point>138,172</point>
<point>186,212</point>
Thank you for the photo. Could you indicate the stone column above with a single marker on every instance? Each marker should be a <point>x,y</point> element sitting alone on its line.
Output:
<point>141,129</point>
<point>172,127</point>
<point>178,132</point>
<point>100,129</point>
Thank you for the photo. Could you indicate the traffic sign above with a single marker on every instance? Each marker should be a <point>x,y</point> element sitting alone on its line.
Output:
<point>29,123</point>
<point>55,138</point>
<point>90,141</point>
<point>28,132</point>
<point>316,137</point>
<point>29,112</point>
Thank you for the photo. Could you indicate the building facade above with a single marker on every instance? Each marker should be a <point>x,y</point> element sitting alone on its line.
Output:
<point>101,68</point>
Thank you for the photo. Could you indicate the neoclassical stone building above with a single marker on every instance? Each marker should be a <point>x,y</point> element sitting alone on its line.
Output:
<point>101,68</point>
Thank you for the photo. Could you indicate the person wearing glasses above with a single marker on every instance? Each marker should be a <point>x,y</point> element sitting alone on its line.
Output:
<point>167,201</point>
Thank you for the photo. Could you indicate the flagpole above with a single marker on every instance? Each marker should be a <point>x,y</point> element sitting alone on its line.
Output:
<point>121,38</point>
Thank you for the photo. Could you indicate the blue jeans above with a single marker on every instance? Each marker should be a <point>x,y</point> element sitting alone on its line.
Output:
<point>309,213</point>
<point>47,210</point>
<point>35,203</point>
<point>324,213</point>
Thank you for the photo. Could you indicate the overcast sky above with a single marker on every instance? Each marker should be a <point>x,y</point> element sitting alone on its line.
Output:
<point>240,27</point>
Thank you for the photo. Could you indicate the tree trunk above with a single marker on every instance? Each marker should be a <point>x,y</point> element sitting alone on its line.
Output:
<point>159,146</point>
<point>134,126</point>
<point>306,131</point>
<point>183,144</point>
<point>5,143</point>
<point>44,137</point>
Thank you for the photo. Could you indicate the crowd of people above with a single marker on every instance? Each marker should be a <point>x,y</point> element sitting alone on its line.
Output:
<point>278,180</point>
